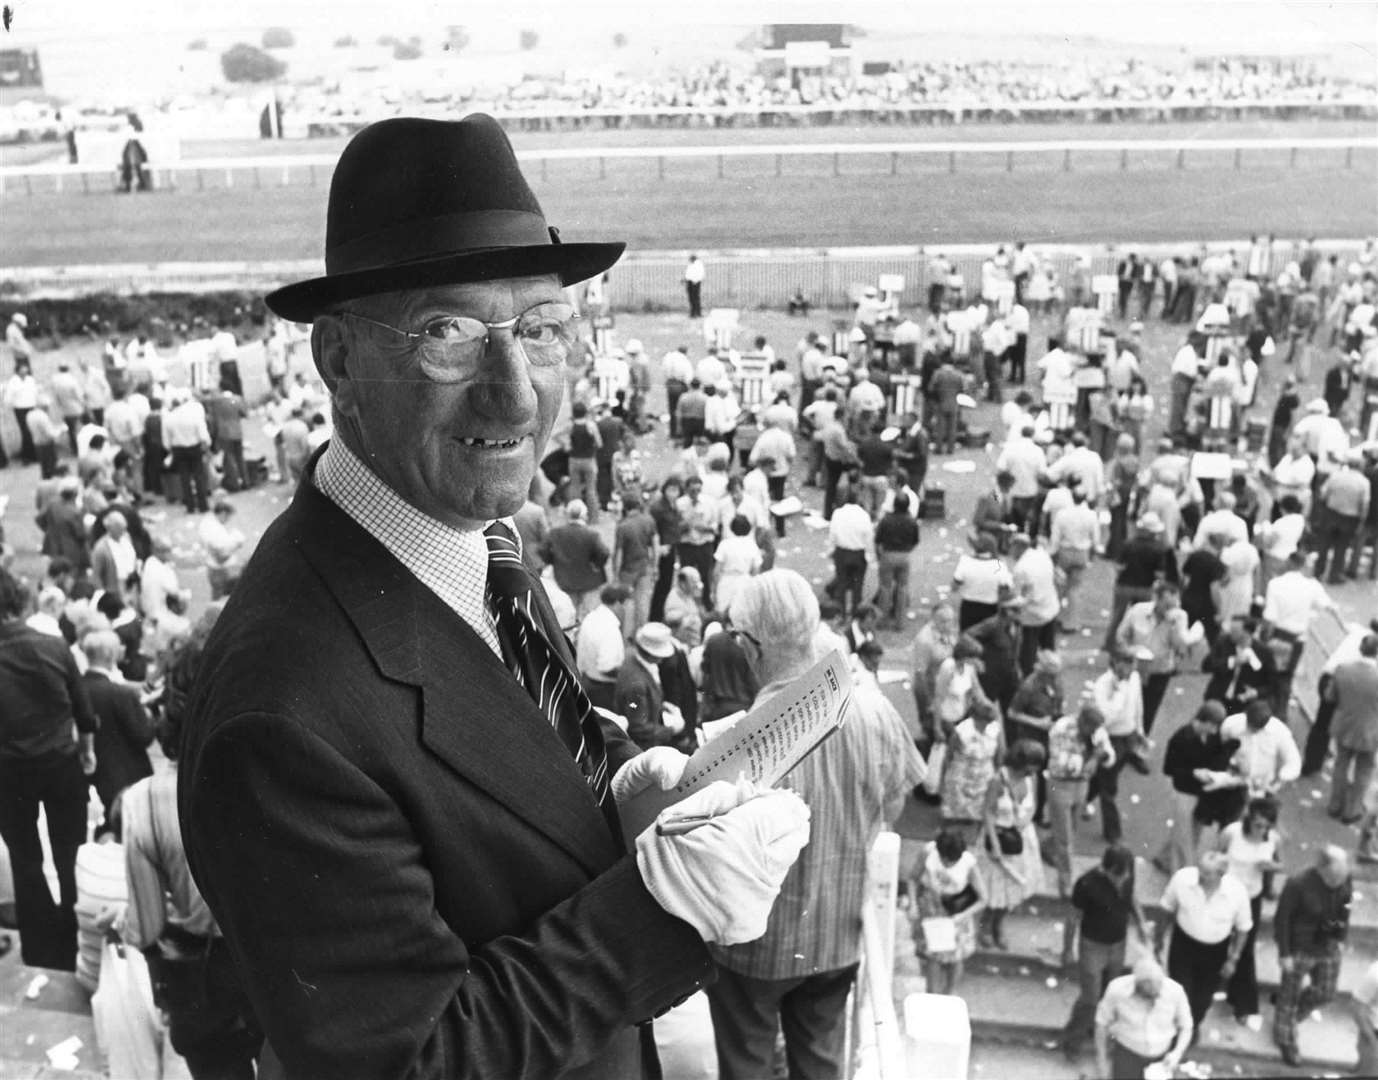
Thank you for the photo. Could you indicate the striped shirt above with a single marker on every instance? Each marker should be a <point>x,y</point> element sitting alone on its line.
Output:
<point>161,889</point>
<point>855,784</point>
<point>452,563</point>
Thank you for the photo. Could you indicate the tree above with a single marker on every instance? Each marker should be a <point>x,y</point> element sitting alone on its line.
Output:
<point>199,45</point>
<point>619,40</point>
<point>246,63</point>
<point>407,50</point>
<point>278,37</point>
<point>528,40</point>
<point>346,42</point>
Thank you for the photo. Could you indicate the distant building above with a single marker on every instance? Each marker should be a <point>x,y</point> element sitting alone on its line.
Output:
<point>804,51</point>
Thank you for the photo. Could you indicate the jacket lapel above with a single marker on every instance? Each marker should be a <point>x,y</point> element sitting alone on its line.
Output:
<point>475,716</point>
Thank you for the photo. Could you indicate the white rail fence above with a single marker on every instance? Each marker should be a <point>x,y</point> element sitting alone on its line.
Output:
<point>653,280</point>
<point>270,170</point>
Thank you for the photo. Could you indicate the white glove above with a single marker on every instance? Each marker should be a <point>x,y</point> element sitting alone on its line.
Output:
<point>659,767</point>
<point>671,717</point>
<point>723,877</point>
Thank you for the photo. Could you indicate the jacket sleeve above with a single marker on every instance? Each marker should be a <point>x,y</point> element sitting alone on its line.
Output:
<point>325,896</point>
<point>1283,917</point>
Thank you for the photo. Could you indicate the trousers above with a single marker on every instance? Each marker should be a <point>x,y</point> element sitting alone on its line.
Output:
<point>47,930</point>
<point>1196,965</point>
<point>1319,971</point>
<point>1097,964</point>
<point>810,1010</point>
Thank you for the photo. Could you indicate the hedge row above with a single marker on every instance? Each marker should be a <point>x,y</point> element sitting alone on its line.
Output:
<point>166,318</point>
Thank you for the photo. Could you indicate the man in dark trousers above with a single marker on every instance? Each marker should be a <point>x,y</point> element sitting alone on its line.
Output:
<point>1000,637</point>
<point>225,415</point>
<point>1310,927</point>
<point>125,731</point>
<point>47,732</point>
<point>1095,935</point>
<point>413,843</point>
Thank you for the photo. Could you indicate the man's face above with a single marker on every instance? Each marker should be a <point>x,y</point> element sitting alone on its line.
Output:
<point>465,451</point>
<point>694,489</point>
<point>1165,604</point>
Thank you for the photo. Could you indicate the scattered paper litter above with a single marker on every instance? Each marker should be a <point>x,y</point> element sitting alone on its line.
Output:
<point>35,987</point>
<point>1134,799</point>
<point>1050,983</point>
<point>1023,971</point>
<point>1315,794</point>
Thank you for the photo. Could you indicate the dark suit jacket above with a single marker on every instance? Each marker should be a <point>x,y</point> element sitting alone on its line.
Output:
<point>990,517</point>
<point>1000,676</point>
<point>1220,664</point>
<point>64,533</point>
<point>638,698</point>
<point>123,737</point>
<point>412,875</point>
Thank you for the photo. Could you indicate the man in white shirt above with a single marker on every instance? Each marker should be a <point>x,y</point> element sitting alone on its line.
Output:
<point>1291,601</point>
<point>1222,521</point>
<point>1186,369</point>
<point>1294,472</point>
<point>1267,759</point>
<point>1026,461</point>
<point>1084,466</point>
<point>693,286</point>
<point>1143,1018</point>
<point>1210,922</point>
<point>1118,694</point>
<point>599,648</point>
<point>851,533</point>
<point>51,603</point>
<point>1035,582</point>
<point>865,396</point>
<point>678,372</point>
<point>1073,538</point>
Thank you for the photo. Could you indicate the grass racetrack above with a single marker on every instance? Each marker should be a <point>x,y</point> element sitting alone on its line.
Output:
<point>815,201</point>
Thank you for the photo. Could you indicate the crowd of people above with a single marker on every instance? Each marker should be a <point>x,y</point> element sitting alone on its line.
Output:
<point>688,617</point>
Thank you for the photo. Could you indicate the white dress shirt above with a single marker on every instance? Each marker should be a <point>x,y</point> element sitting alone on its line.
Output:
<point>851,528</point>
<point>1267,758</point>
<point>1292,599</point>
<point>600,651</point>
<point>1121,702</point>
<point>1209,919</point>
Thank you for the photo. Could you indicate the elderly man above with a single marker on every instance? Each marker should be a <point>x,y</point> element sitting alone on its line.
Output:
<point>412,843</point>
<point>797,977</point>
<point>1156,631</point>
<point>1035,582</point>
<point>578,555</point>
<point>639,698</point>
<point>1354,727</point>
<point>1142,1018</point>
<point>1310,926</point>
<point>114,561</point>
<point>1209,917</point>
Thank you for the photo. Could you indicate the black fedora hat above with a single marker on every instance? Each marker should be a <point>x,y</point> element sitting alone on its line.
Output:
<point>433,202</point>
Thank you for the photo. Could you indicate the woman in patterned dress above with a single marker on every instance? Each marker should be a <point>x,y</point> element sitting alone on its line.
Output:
<point>1011,876</point>
<point>974,749</point>
<point>949,886</point>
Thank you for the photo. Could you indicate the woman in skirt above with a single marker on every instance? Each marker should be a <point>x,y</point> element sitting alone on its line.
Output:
<point>1010,859</point>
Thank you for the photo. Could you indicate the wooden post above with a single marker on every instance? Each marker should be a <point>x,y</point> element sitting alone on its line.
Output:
<point>660,166</point>
<point>894,164</point>
<point>1181,159</point>
<point>1238,158</point>
<point>837,162</point>
<point>1066,161</point>
<point>1124,159</point>
<point>778,159</point>
<point>1009,161</point>
<point>720,166</point>
<point>952,161</point>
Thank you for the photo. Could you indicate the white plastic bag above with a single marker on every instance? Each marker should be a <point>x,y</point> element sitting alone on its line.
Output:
<point>129,1030</point>
<point>937,758</point>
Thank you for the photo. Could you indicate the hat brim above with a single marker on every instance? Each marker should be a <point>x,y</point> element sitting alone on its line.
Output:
<point>662,651</point>
<point>303,301</point>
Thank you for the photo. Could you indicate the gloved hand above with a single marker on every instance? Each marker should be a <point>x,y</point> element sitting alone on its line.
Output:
<point>723,877</point>
<point>659,767</point>
<point>671,717</point>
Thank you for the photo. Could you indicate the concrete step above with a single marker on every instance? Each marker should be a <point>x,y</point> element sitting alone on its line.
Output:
<point>1034,1012</point>
<point>1036,951</point>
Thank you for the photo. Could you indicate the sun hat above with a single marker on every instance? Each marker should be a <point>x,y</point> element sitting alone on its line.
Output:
<point>655,639</point>
<point>415,203</point>
<point>1151,522</point>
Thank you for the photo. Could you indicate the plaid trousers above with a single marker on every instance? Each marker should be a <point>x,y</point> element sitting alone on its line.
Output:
<point>1294,1001</point>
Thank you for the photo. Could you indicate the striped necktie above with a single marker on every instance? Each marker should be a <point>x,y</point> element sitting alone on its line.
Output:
<point>537,666</point>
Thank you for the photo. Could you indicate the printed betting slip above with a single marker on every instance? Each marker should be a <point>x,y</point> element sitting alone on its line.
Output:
<point>764,745</point>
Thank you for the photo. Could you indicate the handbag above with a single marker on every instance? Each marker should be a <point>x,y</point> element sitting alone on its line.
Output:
<point>1009,840</point>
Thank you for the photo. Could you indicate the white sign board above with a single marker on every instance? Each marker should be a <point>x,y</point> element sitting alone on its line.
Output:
<point>807,54</point>
<point>891,282</point>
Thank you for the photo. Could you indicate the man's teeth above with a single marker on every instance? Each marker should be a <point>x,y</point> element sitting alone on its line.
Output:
<point>501,444</point>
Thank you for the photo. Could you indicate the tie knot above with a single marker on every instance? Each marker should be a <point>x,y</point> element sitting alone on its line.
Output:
<point>506,573</point>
